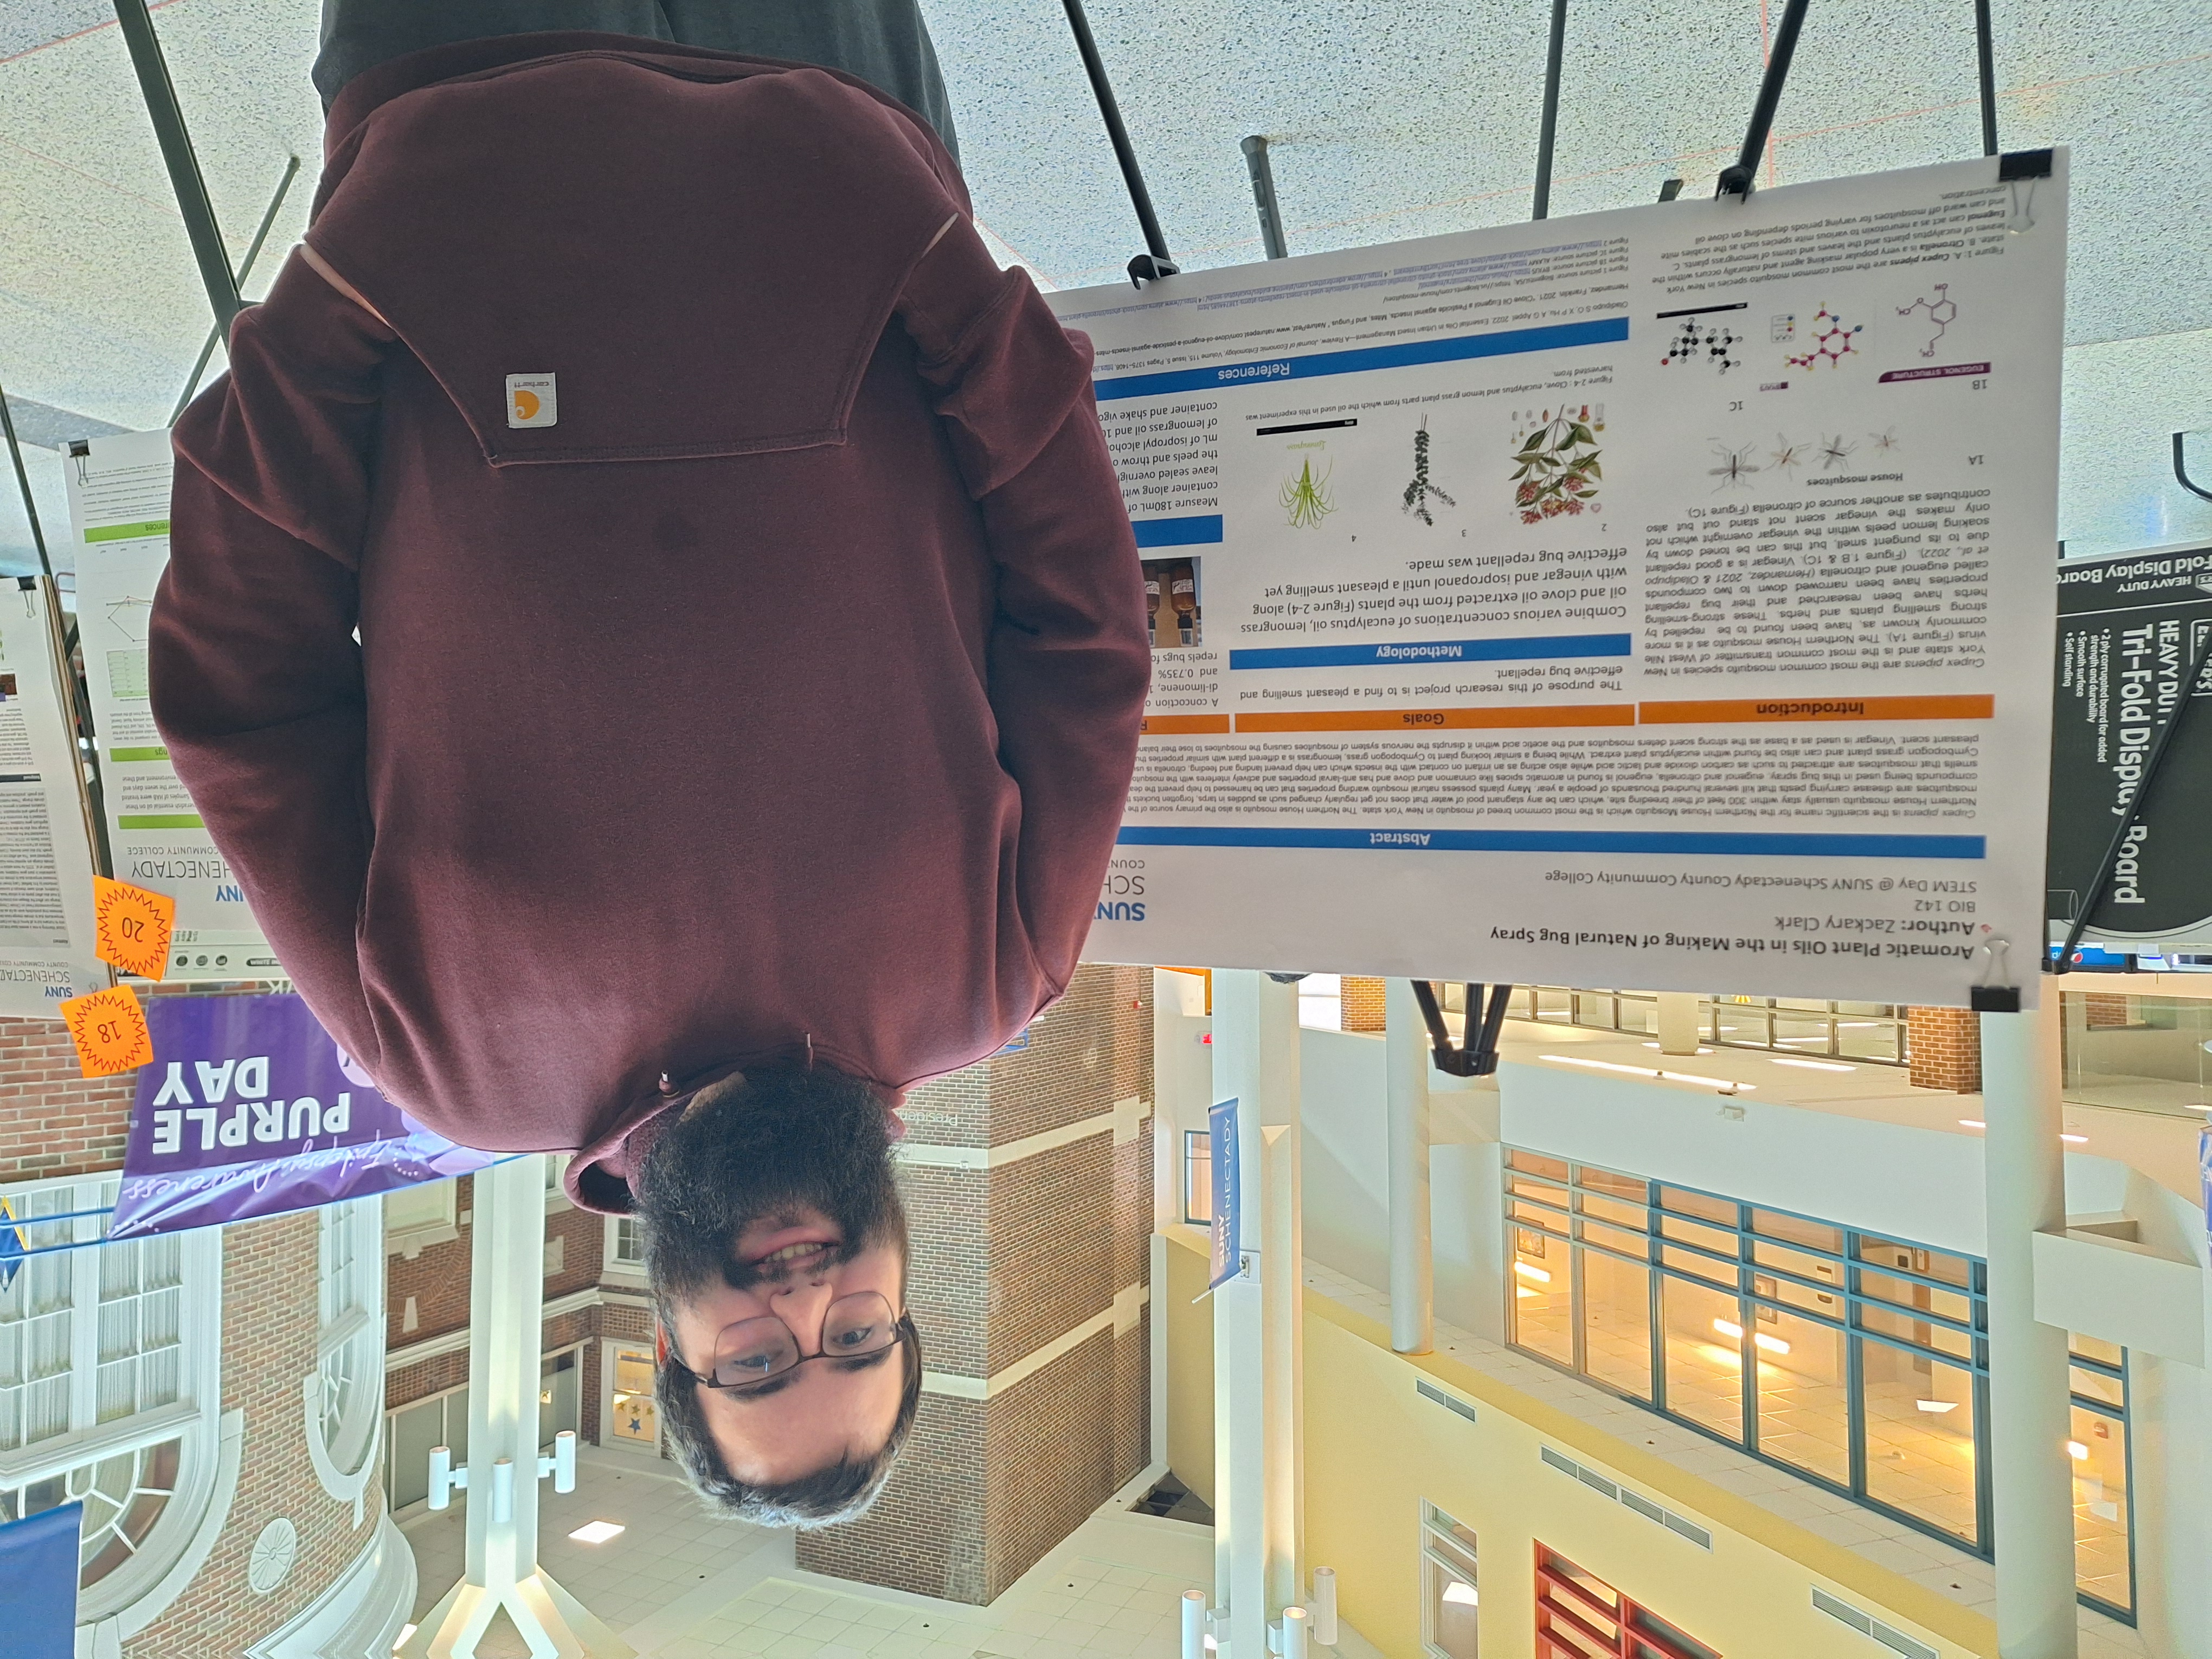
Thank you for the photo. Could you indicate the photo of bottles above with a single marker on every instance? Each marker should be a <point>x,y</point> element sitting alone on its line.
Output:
<point>1172,602</point>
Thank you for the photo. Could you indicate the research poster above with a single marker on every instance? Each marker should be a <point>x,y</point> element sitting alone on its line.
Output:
<point>118,499</point>
<point>2130,626</point>
<point>1660,597</point>
<point>46,950</point>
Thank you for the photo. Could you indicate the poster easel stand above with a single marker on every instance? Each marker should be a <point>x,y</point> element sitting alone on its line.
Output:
<point>1263,197</point>
<point>2181,470</point>
<point>182,161</point>
<point>1156,262</point>
<point>1476,1054</point>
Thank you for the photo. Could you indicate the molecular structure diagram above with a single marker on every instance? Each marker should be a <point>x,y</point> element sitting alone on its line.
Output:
<point>1715,344</point>
<point>1734,469</point>
<point>1832,341</point>
<point>1942,311</point>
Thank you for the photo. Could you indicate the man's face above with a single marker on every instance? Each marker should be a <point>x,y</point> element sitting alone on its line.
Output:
<point>769,1207</point>
<point>793,1266</point>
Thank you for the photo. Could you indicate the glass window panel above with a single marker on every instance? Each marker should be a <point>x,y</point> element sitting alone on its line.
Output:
<point>1612,1238</point>
<point>1633,1189</point>
<point>1814,1235</point>
<point>1608,1209</point>
<point>1924,1298</point>
<point>1828,1304</point>
<point>1568,1639</point>
<point>1913,1258</point>
<point>1617,1322</point>
<point>2099,1451</point>
<point>2093,1347</point>
<point>1542,1304</point>
<point>1644,1622</point>
<point>1535,1215</point>
<point>2097,1386</point>
<point>1688,1262</point>
<point>1919,1435</point>
<point>1535,1164</point>
<point>1804,1392</point>
<point>1704,1363</point>
<point>1696,1232</point>
<point>1452,1611</point>
<point>1802,1034</point>
<point>1817,1268</point>
<point>1923,1332</point>
<point>1447,1552</point>
<point>1542,1191</point>
<point>1870,1039</point>
<point>1198,1176</point>
<point>1683,1201</point>
<point>1596,1593</point>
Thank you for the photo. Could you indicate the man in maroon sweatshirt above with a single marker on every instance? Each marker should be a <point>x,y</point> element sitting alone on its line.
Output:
<point>653,623</point>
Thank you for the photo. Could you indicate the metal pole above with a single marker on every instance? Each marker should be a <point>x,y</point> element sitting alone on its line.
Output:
<point>23,484</point>
<point>1406,1111</point>
<point>245,270</point>
<point>182,161</point>
<point>1739,180</point>
<point>1549,129</point>
<point>1263,197</point>
<point>1985,51</point>
<point>2032,1506</point>
<point>1158,262</point>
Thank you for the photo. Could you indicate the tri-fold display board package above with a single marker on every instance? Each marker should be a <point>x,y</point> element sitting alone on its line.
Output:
<point>1659,597</point>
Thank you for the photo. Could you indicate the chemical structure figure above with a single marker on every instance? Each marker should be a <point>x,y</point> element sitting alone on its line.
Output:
<point>1834,452</point>
<point>1715,344</point>
<point>1787,457</point>
<point>1885,440</point>
<point>1306,498</point>
<point>1734,469</point>
<point>1832,341</point>
<point>1418,491</point>
<point>1943,311</point>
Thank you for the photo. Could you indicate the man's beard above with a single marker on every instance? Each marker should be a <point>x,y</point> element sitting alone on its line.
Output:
<point>780,1144</point>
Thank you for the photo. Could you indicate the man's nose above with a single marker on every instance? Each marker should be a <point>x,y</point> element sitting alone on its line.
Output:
<point>801,1301</point>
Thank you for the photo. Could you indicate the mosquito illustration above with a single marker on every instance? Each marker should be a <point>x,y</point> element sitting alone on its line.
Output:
<point>1834,452</point>
<point>1884,441</point>
<point>1735,468</point>
<point>1787,457</point>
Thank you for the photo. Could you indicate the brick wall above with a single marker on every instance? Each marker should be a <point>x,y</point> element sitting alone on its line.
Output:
<point>2102,1010</point>
<point>1008,1261</point>
<point>1945,1046</point>
<point>1363,1004</point>
<point>269,1273</point>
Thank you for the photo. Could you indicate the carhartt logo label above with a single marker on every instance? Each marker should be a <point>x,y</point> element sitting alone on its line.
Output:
<point>531,401</point>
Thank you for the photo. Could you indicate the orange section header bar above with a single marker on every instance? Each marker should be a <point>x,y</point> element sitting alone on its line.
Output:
<point>1173,726</point>
<point>1763,709</point>
<point>1433,720</point>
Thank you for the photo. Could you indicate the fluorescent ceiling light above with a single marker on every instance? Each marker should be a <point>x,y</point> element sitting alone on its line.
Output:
<point>2078,1140</point>
<point>1702,1051</point>
<point>1937,1407</point>
<point>2077,1451</point>
<point>1813,1065</point>
<point>1646,1071</point>
<point>1728,1327</point>
<point>1536,1273</point>
<point>1459,1594</point>
<point>1973,1123</point>
<point>1772,1343</point>
<point>597,1531</point>
<point>2071,1139</point>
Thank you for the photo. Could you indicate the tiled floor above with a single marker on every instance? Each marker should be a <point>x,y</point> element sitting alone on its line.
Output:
<point>1967,1579</point>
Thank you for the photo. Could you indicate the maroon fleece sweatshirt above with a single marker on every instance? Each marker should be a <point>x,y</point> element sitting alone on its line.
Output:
<point>778,699</point>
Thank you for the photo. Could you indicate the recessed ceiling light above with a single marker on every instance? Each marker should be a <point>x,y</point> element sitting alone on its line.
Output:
<point>2077,1451</point>
<point>1729,1084</point>
<point>1973,1123</point>
<point>1728,1327</point>
<point>596,1532</point>
<point>1536,1273</point>
<point>1937,1407</point>
<point>2078,1140</point>
<point>1814,1064</point>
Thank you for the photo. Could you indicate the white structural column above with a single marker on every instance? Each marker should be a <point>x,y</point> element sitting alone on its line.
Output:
<point>2032,1482</point>
<point>1678,1022</point>
<point>1258,1457</point>
<point>506,1297</point>
<point>1405,1104</point>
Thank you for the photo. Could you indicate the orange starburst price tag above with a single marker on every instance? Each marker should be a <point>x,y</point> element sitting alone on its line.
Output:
<point>109,1030</point>
<point>133,926</point>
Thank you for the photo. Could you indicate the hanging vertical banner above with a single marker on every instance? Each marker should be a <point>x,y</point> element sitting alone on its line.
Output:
<point>1654,597</point>
<point>2128,627</point>
<point>249,1108</point>
<point>1228,1189</point>
<point>48,948</point>
<point>118,499</point>
<point>37,1583</point>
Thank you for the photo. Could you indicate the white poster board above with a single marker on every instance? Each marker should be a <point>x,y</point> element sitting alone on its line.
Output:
<point>118,499</point>
<point>1660,597</point>
<point>46,945</point>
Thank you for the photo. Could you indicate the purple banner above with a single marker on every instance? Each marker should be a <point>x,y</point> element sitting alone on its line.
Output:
<point>249,1108</point>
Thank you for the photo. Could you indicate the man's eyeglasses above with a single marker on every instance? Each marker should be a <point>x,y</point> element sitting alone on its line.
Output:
<point>754,1351</point>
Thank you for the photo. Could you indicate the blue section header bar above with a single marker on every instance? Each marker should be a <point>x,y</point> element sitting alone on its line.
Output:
<point>1504,344</point>
<point>1177,532</point>
<point>1743,844</point>
<point>1413,653</point>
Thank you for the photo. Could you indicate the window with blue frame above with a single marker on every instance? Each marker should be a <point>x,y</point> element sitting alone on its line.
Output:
<point>1853,1359</point>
